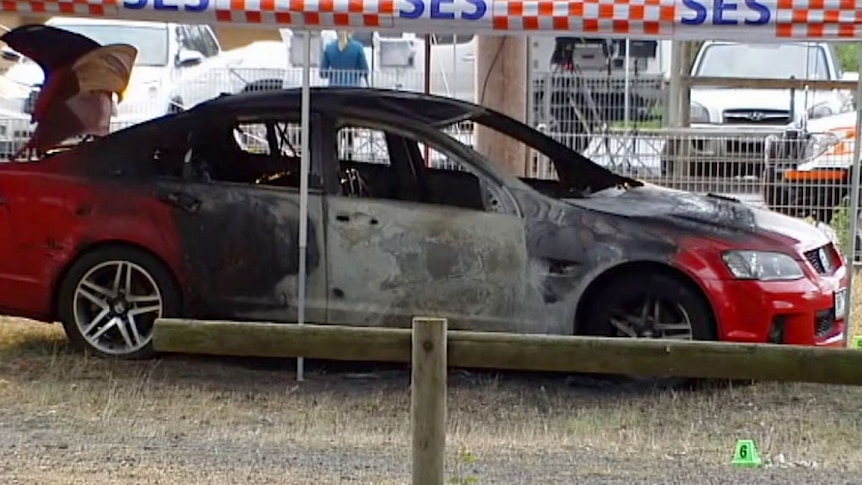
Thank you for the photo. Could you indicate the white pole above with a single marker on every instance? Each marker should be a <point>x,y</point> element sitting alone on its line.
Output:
<point>854,193</point>
<point>303,187</point>
<point>675,86</point>
<point>627,88</point>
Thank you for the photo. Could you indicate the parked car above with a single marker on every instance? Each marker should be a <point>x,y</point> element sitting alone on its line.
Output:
<point>807,169</point>
<point>747,116</point>
<point>196,215</point>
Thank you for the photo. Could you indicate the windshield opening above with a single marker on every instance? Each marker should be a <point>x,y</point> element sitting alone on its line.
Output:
<point>763,61</point>
<point>553,168</point>
<point>151,42</point>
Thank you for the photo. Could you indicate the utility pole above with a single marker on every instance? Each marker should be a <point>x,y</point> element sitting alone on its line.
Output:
<point>501,84</point>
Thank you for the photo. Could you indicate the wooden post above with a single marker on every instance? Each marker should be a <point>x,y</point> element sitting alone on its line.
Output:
<point>501,84</point>
<point>428,400</point>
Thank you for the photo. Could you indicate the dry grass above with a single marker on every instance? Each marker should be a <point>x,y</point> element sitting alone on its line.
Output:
<point>67,418</point>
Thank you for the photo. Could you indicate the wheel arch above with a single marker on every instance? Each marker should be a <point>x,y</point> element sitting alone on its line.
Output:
<point>634,269</point>
<point>99,245</point>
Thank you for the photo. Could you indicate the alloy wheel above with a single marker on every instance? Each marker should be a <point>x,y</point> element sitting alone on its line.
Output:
<point>116,304</point>
<point>652,317</point>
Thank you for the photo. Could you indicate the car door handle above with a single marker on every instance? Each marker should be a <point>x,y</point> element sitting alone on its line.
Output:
<point>182,200</point>
<point>468,57</point>
<point>344,217</point>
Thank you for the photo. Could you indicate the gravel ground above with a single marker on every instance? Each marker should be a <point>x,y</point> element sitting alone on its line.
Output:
<point>69,419</point>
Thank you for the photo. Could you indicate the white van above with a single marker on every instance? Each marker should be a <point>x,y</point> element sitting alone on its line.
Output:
<point>453,64</point>
<point>176,68</point>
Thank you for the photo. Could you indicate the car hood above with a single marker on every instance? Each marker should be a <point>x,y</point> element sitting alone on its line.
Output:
<point>846,120</point>
<point>708,215</point>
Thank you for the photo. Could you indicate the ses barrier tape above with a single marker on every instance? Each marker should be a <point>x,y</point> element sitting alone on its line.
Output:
<point>752,20</point>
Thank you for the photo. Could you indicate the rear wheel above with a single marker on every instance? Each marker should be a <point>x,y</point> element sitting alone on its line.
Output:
<point>110,299</point>
<point>649,306</point>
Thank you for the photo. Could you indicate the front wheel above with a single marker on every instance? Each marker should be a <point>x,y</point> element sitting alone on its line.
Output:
<point>650,306</point>
<point>111,298</point>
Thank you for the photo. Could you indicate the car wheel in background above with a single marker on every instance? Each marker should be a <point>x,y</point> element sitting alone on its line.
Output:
<point>645,305</point>
<point>110,299</point>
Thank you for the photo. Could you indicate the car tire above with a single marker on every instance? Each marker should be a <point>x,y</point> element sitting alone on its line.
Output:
<point>627,291</point>
<point>111,319</point>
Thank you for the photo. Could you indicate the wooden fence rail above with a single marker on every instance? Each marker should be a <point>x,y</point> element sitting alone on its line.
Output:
<point>643,357</point>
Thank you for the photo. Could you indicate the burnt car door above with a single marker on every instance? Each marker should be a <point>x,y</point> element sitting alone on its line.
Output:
<point>405,241</point>
<point>236,206</point>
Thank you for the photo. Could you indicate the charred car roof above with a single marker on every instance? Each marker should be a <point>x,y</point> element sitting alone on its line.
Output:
<point>431,109</point>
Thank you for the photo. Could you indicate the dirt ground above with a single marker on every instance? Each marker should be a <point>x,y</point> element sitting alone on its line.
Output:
<point>66,418</point>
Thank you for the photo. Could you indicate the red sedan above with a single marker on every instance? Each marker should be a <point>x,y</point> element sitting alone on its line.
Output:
<point>197,214</point>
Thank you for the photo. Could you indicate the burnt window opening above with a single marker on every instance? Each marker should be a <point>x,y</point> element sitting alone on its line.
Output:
<point>380,164</point>
<point>263,152</point>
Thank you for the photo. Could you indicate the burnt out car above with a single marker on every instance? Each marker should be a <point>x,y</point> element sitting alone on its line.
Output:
<point>196,215</point>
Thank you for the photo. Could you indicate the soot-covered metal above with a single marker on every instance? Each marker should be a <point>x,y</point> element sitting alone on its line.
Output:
<point>485,249</point>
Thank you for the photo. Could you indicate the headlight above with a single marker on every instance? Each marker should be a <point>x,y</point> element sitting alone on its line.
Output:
<point>820,143</point>
<point>698,114</point>
<point>762,265</point>
<point>819,111</point>
<point>836,142</point>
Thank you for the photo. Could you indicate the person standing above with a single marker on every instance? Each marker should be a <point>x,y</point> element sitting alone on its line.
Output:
<point>344,62</point>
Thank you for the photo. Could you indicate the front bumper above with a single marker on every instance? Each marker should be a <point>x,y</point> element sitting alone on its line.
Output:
<point>800,312</point>
<point>730,150</point>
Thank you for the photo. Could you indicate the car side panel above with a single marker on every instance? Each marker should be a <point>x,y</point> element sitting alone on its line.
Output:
<point>7,259</point>
<point>240,246</point>
<point>390,261</point>
<point>570,248</point>
<point>55,218</point>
